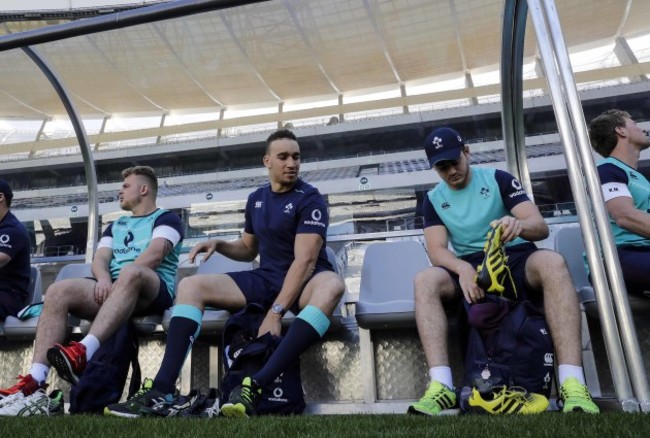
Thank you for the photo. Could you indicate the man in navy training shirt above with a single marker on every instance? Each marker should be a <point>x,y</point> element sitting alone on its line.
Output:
<point>626,192</point>
<point>14,257</point>
<point>134,271</point>
<point>462,209</point>
<point>286,224</point>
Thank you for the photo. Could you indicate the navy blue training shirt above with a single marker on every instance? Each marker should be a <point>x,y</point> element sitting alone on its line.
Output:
<point>14,241</point>
<point>276,218</point>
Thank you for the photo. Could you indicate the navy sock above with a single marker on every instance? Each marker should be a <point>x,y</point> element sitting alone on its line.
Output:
<point>309,327</point>
<point>183,330</point>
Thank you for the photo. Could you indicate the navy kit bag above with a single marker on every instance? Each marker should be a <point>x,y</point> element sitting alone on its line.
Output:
<point>245,354</point>
<point>508,344</point>
<point>103,380</point>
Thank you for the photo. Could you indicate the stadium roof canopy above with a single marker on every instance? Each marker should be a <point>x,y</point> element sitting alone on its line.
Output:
<point>290,54</point>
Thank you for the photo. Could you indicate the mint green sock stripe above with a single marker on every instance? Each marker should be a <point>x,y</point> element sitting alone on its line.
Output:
<point>187,311</point>
<point>313,316</point>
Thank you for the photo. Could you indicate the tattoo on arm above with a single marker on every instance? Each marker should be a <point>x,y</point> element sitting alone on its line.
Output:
<point>168,247</point>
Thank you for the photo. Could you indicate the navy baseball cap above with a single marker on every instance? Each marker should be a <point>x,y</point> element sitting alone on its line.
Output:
<point>443,144</point>
<point>6,190</point>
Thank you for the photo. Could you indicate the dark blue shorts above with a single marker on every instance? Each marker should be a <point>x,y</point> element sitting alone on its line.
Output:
<point>517,258</point>
<point>259,289</point>
<point>162,302</point>
<point>10,303</point>
<point>635,262</point>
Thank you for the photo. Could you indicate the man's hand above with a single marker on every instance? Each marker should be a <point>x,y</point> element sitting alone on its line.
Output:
<point>208,247</point>
<point>466,278</point>
<point>103,289</point>
<point>272,324</point>
<point>510,228</point>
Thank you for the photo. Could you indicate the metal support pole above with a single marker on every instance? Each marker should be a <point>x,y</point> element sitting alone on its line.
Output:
<point>402,92</point>
<point>280,111</point>
<point>118,20</point>
<point>162,123</point>
<point>86,152</point>
<point>87,26</point>
<point>39,134</point>
<point>627,330</point>
<point>552,62</point>
<point>102,130</point>
<point>222,114</point>
<point>512,54</point>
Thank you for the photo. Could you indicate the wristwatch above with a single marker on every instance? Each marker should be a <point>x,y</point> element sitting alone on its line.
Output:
<point>278,309</point>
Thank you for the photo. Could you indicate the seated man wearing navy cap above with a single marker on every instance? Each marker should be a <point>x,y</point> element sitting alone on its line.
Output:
<point>463,209</point>
<point>14,257</point>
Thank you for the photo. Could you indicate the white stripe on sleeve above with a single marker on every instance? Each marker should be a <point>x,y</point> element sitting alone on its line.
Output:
<point>105,242</point>
<point>166,232</point>
<point>615,190</point>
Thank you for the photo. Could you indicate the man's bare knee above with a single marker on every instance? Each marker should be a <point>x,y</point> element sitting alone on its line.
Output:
<point>545,266</point>
<point>335,288</point>
<point>432,283</point>
<point>56,295</point>
<point>185,286</point>
<point>325,293</point>
<point>189,289</point>
<point>133,275</point>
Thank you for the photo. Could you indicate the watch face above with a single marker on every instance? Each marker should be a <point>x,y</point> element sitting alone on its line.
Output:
<point>277,308</point>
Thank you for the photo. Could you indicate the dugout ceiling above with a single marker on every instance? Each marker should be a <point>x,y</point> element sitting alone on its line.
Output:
<point>283,51</point>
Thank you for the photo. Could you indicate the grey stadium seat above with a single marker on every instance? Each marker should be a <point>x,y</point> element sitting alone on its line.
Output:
<point>19,330</point>
<point>335,320</point>
<point>569,243</point>
<point>214,320</point>
<point>386,291</point>
<point>34,293</point>
<point>35,288</point>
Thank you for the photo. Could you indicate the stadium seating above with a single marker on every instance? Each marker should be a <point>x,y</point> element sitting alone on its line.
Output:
<point>335,320</point>
<point>392,167</point>
<point>386,290</point>
<point>34,292</point>
<point>569,243</point>
<point>24,330</point>
<point>213,319</point>
<point>145,325</point>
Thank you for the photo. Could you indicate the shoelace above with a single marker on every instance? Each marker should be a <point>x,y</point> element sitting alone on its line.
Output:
<point>578,391</point>
<point>213,410</point>
<point>140,393</point>
<point>76,353</point>
<point>247,393</point>
<point>514,392</point>
<point>21,384</point>
<point>437,397</point>
<point>48,406</point>
<point>159,403</point>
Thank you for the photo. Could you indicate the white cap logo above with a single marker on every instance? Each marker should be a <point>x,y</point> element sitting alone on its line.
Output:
<point>437,141</point>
